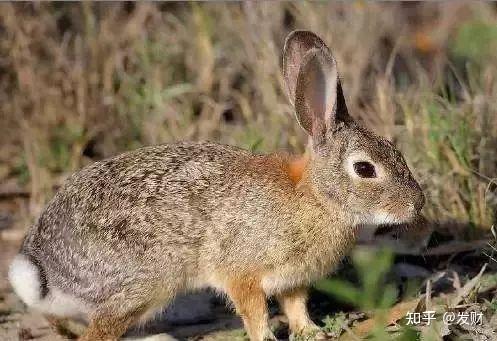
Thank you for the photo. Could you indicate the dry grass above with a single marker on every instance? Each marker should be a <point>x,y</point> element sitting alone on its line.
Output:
<point>80,82</point>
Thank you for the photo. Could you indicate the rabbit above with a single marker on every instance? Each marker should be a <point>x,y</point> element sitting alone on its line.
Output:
<point>123,236</point>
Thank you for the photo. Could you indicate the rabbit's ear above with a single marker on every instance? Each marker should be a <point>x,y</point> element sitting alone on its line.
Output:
<point>297,44</point>
<point>316,93</point>
<point>312,82</point>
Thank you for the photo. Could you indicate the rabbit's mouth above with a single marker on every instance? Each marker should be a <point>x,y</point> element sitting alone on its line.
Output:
<point>385,218</point>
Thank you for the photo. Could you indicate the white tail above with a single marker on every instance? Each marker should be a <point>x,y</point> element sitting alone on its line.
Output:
<point>24,277</point>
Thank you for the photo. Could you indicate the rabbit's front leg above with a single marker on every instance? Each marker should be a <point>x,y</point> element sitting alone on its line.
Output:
<point>250,303</point>
<point>294,305</point>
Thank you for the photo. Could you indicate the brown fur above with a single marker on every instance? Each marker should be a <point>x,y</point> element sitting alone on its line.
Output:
<point>124,235</point>
<point>107,327</point>
<point>296,167</point>
<point>250,303</point>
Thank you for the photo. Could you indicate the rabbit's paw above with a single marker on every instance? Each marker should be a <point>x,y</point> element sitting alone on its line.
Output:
<point>309,333</point>
<point>269,336</point>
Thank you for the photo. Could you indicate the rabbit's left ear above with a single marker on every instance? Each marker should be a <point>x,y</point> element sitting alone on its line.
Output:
<point>312,83</point>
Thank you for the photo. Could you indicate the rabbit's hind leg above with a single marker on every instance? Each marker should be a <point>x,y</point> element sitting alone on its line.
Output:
<point>111,324</point>
<point>66,327</point>
<point>112,319</point>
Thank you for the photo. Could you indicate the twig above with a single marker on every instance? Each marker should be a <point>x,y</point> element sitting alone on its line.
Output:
<point>466,289</point>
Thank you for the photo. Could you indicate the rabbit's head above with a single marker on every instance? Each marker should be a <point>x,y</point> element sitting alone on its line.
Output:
<point>365,174</point>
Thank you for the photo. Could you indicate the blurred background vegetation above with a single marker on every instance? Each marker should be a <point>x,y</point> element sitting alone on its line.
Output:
<point>83,81</point>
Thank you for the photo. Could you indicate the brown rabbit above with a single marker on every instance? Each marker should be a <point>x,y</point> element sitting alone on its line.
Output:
<point>125,235</point>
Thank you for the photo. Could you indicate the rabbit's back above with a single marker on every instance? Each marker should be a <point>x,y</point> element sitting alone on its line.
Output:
<point>129,217</point>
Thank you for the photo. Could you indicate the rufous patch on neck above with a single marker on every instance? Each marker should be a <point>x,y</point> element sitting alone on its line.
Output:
<point>296,167</point>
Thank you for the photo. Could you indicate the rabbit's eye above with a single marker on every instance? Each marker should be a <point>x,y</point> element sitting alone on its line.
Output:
<point>364,169</point>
